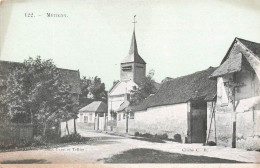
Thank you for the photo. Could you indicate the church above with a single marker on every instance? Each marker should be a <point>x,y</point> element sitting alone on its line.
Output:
<point>132,73</point>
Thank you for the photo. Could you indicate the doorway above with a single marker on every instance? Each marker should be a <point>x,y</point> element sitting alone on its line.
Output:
<point>198,122</point>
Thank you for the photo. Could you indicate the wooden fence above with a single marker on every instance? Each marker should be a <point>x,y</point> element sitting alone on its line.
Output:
<point>11,133</point>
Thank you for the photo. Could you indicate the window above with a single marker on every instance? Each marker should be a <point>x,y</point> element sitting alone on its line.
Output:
<point>123,115</point>
<point>132,115</point>
<point>90,117</point>
<point>119,117</point>
<point>85,119</point>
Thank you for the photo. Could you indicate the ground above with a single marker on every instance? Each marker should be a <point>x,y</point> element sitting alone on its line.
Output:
<point>106,148</point>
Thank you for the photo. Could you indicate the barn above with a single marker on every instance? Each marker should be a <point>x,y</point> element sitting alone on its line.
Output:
<point>180,108</point>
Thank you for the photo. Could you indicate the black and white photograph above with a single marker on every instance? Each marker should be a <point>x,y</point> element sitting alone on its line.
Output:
<point>130,82</point>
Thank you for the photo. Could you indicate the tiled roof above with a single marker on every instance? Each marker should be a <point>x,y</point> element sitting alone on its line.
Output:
<point>182,89</point>
<point>234,58</point>
<point>252,46</point>
<point>96,106</point>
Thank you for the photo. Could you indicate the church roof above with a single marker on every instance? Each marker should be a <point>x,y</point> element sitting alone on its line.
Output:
<point>133,55</point>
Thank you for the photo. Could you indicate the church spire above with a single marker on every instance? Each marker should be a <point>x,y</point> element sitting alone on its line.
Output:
<point>133,55</point>
<point>133,47</point>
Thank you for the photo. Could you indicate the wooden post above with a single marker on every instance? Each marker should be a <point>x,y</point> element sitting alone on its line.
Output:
<point>234,118</point>
<point>97,121</point>
<point>126,122</point>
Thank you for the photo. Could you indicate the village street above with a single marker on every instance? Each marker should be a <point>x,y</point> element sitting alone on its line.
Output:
<point>105,148</point>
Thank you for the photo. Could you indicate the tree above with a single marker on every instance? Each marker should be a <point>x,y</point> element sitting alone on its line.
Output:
<point>144,90</point>
<point>97,89</point>
<point>92,89</point>
<point>36,93</point>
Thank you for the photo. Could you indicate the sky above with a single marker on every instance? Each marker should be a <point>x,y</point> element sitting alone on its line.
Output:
<point>174,37</point>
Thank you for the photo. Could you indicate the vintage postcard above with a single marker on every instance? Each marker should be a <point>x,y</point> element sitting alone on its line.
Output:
<point>131,83</point>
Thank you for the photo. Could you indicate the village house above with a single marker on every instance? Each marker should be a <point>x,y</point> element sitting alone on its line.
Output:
<point>93,115</point>
<point>178,109</point>
<point>236,114</point>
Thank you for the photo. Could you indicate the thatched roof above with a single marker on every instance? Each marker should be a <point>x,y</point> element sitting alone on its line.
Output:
<point>96,106</point>
<point>71,77</point>
<point>183,89</point>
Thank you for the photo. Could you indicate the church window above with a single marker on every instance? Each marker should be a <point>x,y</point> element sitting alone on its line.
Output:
<point>127,68</point>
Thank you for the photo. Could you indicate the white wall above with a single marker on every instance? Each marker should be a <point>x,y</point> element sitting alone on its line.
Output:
<point>89,115</point>
<point>170,119</point>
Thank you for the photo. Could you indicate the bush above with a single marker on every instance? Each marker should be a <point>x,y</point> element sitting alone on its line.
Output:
<point>13,145</point>
<point>177,138</point>
<point>250,144</point>
<point>147,135</point>
<point>161,136</point>
<point>73,138</point>
<point>136,134</point>
<point>211,143</point>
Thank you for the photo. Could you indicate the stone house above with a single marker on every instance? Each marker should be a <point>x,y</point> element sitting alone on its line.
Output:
<point>179,109</point>
<point>237,108</point>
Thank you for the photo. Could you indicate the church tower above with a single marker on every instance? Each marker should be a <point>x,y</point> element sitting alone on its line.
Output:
<point>133,67</point>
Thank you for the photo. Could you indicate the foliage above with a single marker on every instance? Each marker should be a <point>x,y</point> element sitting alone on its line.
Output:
<point>144,90</point>
<point>36,93</point>
<point>92,89</point>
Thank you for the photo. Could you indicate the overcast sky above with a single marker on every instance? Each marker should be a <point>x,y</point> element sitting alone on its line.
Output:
<point>175,37</point>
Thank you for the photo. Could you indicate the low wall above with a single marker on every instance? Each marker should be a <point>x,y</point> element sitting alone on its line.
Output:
<point>247,129</point>
<point>169,119</point>
<point>11,133</point>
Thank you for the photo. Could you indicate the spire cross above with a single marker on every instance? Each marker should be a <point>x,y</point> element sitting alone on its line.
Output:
<point>134,22</point>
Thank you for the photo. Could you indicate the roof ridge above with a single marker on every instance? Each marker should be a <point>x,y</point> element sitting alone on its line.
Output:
<point>197,72</point>
<point>247,40</point>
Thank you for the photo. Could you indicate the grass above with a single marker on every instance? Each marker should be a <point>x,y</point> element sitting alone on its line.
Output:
<point>142,155</point>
